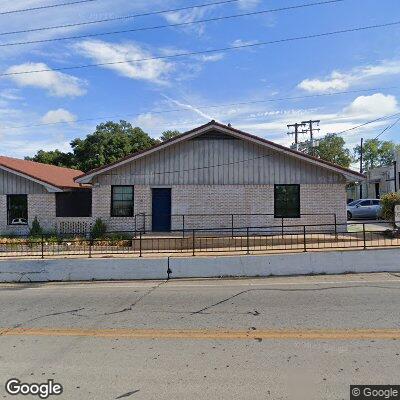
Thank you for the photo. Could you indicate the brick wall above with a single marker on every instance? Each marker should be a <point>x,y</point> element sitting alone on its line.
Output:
<point>42,206</point>
<point>225,199</point>
<point>254,199</point>
<point>192,199</point>
<point>101,207</point>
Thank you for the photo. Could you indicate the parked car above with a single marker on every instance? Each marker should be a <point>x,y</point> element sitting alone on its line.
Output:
<point>364,209</point>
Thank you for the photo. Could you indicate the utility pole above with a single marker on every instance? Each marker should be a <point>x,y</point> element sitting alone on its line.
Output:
<point>361,165</point>
<point>311,129</point>
<point>296,132</point>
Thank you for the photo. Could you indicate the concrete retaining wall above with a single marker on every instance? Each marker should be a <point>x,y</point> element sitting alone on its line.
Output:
<point>334,262</point>
<point>82,269</point>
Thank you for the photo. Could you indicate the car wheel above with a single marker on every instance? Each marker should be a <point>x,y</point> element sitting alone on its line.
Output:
<point>349,215</point>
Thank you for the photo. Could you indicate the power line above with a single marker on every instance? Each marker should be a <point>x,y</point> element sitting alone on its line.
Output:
<point>388,128</point>
<point>192,53</point>
<point>367,123</point>
<point>119,18</point>
<point>168,25</point>
<point>45,7</point>
<point>204,107</point>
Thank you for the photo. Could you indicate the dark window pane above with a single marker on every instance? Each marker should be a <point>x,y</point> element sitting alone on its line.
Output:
<point>122,201</point>
<point>117,196</point>
<point>287,201</point>
<point>123,190</point>
<point>365,203</point>
<point>74,204</point>
<point>17,209</point>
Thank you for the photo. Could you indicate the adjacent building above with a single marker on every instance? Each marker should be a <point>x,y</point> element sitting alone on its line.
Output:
<point>378,182</point>
<point>49,193</point>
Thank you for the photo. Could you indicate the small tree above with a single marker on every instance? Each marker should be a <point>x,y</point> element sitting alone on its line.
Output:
<point>36,230</point>
<point>330,148</point>
<point>389,201</point>
<point>166,135</point>
<point>99,229</point>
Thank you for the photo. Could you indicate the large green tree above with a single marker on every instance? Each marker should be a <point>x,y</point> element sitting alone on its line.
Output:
<point>376,153</point>
<point>54,157</point>
<point>108,143</point>
<point>330,148</point>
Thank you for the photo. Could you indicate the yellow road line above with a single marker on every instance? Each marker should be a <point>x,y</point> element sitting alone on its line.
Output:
<point>207,334</point>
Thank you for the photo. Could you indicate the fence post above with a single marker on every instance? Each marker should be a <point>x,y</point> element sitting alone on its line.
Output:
<point>364,237</point>
<point>305,238</point>
<point>232,226</point>
<point>42,243</point>
<point>140,244</point>
<point>194,242</point>
<point>183,225</point>
<point>247,241</point>
<point>282,227</point>
<point>144,223</point>
<point>336,235</point>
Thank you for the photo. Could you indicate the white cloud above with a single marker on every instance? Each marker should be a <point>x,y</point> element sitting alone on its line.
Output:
<point>359,75</point>
<point>241,42</point>
<point>337,81</point>
<point>103,52</point>
<point>377,104</point>
<point>211,57</point>
<point>246,4</point>
<point>10,94</point>
<point>187,16</point>
<point>178,17</point>
<point>56,83</point>
<point>59,115</point>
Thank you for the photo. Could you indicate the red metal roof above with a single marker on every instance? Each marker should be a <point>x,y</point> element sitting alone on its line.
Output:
<point>62,178</point>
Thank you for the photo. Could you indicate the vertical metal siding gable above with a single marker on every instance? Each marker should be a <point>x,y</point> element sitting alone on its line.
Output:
<point>216,161</point>
<point>15,184</point>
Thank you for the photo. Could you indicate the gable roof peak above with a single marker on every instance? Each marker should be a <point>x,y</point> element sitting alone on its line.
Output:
<point>228,129</point>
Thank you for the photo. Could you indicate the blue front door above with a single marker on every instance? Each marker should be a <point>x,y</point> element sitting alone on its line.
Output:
<point>161,210</point>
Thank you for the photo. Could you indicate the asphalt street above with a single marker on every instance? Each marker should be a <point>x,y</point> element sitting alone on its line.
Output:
<point>274,338</point>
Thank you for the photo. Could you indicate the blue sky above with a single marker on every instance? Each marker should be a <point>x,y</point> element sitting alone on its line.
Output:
<point>174,93</point>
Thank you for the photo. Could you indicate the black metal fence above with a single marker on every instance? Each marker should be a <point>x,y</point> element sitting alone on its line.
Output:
<point>186,222</point>
<point>223,241</point>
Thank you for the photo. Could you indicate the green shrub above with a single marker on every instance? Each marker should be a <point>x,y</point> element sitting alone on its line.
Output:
<point>99,229</point>
<point>35,230</point>
<point>388,202</point>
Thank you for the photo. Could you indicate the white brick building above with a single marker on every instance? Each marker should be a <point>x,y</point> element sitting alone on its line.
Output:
<point>213,175</point>
<point>30,190</point>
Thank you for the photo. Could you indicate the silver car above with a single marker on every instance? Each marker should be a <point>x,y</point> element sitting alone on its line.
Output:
<point>364,209</point>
